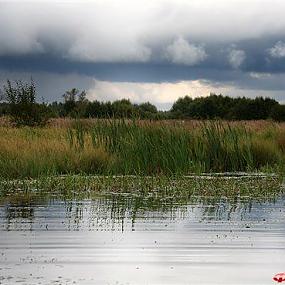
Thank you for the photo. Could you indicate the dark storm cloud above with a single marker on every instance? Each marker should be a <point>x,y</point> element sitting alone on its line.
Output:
<point>223,63</point>
<point>238,43</point>
<point>222,33</point>
<point>264,55</point>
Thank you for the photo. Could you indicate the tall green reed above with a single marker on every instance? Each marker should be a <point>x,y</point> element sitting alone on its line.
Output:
<point>144,149</point>
<point>148,148</point>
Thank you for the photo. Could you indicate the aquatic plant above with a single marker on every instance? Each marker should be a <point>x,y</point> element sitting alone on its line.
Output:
<point>155,186</point>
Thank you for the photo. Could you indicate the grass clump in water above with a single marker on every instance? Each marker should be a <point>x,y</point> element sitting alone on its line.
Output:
<point>146,186</point>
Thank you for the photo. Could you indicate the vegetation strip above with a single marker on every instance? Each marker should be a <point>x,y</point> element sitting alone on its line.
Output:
<point>160,186</point>
<point>124,147</point>
<point>19,102</point>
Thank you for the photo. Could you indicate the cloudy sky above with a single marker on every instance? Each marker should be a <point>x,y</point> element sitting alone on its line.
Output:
<point>151,50</point>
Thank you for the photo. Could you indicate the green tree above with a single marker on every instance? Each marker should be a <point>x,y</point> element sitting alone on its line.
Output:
<point>147,110</point>
<point>182,108</point>
<point>123,109</point>
<point>75,102</point>
<point>278,113</point>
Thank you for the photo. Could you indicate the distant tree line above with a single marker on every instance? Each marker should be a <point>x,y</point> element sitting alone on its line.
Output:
<point>76,105</point>
<point>225,107</point>
<point>19,102</point>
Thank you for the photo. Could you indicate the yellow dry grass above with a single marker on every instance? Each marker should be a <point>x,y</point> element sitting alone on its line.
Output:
<point>27,152</point>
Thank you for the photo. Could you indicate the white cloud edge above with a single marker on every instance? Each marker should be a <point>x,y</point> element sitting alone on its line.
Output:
<point>182,52</point>
<point>278,50</point>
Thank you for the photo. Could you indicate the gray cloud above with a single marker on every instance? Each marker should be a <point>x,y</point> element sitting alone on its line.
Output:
<point>65,43</point>
<point>131,30</point>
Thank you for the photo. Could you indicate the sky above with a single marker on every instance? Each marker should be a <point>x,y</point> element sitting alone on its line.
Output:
<point>151,50</point>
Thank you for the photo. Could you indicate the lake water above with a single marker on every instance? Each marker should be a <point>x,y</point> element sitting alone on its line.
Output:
<point>122,239</point>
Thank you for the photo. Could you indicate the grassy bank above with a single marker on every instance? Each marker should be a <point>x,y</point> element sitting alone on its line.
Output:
<point>118,147</point>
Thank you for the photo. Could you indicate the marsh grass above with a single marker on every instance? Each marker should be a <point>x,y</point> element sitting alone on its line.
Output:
<point>144,149</point>
<point>162,149</point>
<point>281,141</point>
<point>27,152</point>
<point>126,147</point>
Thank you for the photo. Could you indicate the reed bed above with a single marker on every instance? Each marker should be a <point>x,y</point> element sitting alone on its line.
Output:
<point>175,149</point>
<point>126,147</point>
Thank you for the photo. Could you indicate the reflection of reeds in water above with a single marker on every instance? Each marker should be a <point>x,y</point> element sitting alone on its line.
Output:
<point>129,196</point>
<point>118,147</point>
<point>120,210</point>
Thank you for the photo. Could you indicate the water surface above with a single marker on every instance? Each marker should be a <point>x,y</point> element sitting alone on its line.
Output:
<point>123,239</point>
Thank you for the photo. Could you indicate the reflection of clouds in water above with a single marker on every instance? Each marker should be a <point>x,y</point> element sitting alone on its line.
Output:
<point>172,243</point>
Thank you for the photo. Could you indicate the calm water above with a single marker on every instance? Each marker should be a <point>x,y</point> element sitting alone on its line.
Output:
<point>122,239</point>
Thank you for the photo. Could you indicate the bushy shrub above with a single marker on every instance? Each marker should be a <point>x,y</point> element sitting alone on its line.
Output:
<point>23,109</point>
